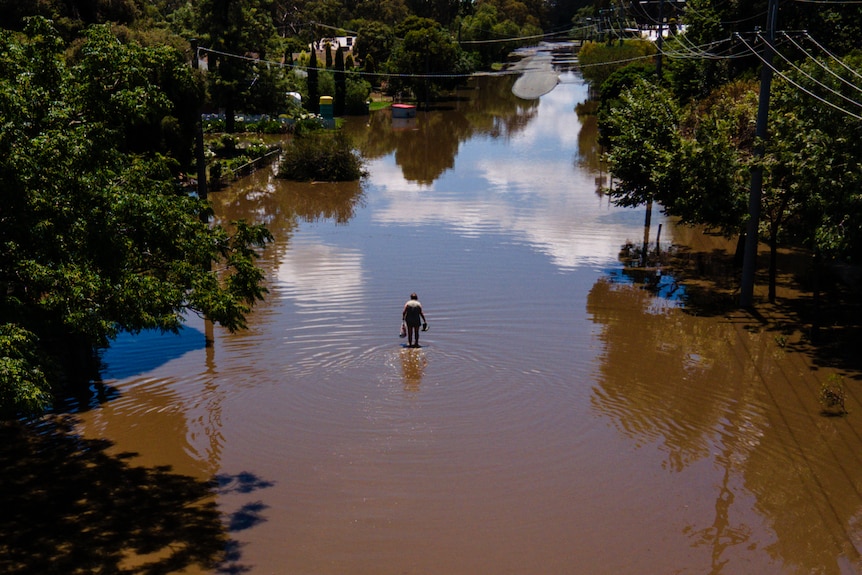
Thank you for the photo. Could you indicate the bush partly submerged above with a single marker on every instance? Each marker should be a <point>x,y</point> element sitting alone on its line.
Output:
<point>321,156</point>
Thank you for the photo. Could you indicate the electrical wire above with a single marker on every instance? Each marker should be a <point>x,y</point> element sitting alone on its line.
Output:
<point>832,56</point>
<point>795,84</point>
<point>829,1</point>
<point>359,73</point>
<point>816,81</point>
<point>823,65</point>
<point>518,38</point>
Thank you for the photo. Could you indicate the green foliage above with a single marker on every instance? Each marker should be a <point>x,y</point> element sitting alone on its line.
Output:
<point>813,160</point>
<point>358,93</point>
<point>697,77</point>
<point>97,236</point>
<point>374,40</point>
<point>485,29</point>
<point>321,156</point>
<point>388,12</point>
<point>645,146</point>
<point>612,88</point>
<point>313,83</point>
<point>598,60</point>
<point>832,395</point>
<point>340,84</point>
<point>426,50</point>
<point>25,373</point>
<point>237,27</point>
<point>695,163</point>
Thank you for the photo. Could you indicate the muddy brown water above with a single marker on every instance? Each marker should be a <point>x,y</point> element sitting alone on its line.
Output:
<point>558,418</point>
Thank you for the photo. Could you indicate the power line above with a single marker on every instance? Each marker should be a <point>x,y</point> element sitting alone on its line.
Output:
<point>519,38</point>
<point>824,66</point>
<point>832,56</point>
<point>359,73</point>
<point>797,85</point>
<point>829,1</point>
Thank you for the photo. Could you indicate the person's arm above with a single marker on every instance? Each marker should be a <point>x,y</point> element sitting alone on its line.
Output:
<point>404,314</point>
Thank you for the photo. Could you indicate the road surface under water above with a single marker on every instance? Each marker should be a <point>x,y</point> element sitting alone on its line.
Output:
<point>558,419</point>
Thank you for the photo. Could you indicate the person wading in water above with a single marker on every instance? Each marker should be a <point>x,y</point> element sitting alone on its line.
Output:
<point>413,317</point>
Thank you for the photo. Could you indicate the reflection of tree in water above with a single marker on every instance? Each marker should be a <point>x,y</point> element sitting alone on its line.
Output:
<point>281,204</point>
<point>71,507</point>
<point>425,153</point>
<point>806,481</point>
<point>427,147</point>
<point>589,151</point>
<point>653,371</point>
<point>685,383</point>
<point>495,111</point>
<point>659,371</point>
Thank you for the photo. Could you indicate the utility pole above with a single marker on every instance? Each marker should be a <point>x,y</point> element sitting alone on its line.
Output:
<point>659,41</point>
<point>209,333</point>
<point>749,261</point>
<point>199,144</point>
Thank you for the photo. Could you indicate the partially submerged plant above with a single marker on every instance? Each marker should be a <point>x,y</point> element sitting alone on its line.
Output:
<point>832,395</point>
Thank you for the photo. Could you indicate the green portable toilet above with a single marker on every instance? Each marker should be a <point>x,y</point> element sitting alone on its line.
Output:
<point>326,107</point>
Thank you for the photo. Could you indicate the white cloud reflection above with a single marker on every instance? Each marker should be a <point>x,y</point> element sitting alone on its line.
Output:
<point>549,206</point>
<point>530,189</point>
<point>316,272</point>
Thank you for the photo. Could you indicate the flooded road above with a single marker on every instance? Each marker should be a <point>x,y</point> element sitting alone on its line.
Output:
<point>558,418</point>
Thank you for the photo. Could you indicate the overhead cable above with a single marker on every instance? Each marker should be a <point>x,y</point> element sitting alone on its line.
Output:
<point>790,81</point>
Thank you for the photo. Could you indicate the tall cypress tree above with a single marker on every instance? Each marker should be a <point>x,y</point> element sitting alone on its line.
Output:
<point>313,104</point>
<point>340,83</point>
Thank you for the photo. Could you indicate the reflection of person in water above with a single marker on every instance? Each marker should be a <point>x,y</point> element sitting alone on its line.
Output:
<point>413,316</point>
<point>412,369</point>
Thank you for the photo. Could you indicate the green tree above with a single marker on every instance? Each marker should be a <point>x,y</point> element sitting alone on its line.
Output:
<point>428,58</point>
<point>374,39</point>
<point>340,84</point>
<point>356,98</point>
<point>388,12</point>
<point>812,179</point>
<point>321,155</point>
<point>96,235</point>
<point>697,77</point>
<point>645,146</point>
<point>598,60</point>
<point>484,30</point>
<point>313,82</point>
<point>236,29</point>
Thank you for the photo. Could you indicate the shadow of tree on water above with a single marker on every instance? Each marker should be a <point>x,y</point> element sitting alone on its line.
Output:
<point>69,507</point>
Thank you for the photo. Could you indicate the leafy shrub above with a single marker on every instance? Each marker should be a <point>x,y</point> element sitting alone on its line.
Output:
<point>321,156</point>
<point>356,97</point>
<point>599,60</point>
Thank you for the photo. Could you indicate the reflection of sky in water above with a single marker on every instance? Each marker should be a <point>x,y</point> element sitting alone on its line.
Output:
<point>121,359</point>
<point>668,292</point>
<point>316,273</point>
<point>527,187</point>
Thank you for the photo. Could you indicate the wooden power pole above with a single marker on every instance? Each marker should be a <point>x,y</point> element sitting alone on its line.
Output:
<point>749,261</point>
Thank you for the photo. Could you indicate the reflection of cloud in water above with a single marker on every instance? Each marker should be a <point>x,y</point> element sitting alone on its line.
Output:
<point>319,273</point>
<point>555,125</point>
<point>530,190</point>
<point>546,204</point>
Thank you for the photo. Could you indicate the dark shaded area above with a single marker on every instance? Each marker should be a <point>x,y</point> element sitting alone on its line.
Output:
<point>244,482</point>
<point>69,507</point>
<point>828,326</point>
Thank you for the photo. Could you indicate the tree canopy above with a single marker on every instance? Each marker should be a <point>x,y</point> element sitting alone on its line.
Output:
<point>687,139</point>
<point>97,235</point>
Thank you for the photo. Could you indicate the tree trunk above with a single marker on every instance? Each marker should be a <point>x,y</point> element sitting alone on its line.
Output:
<point>773,262</point>
<point>815,296</point>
